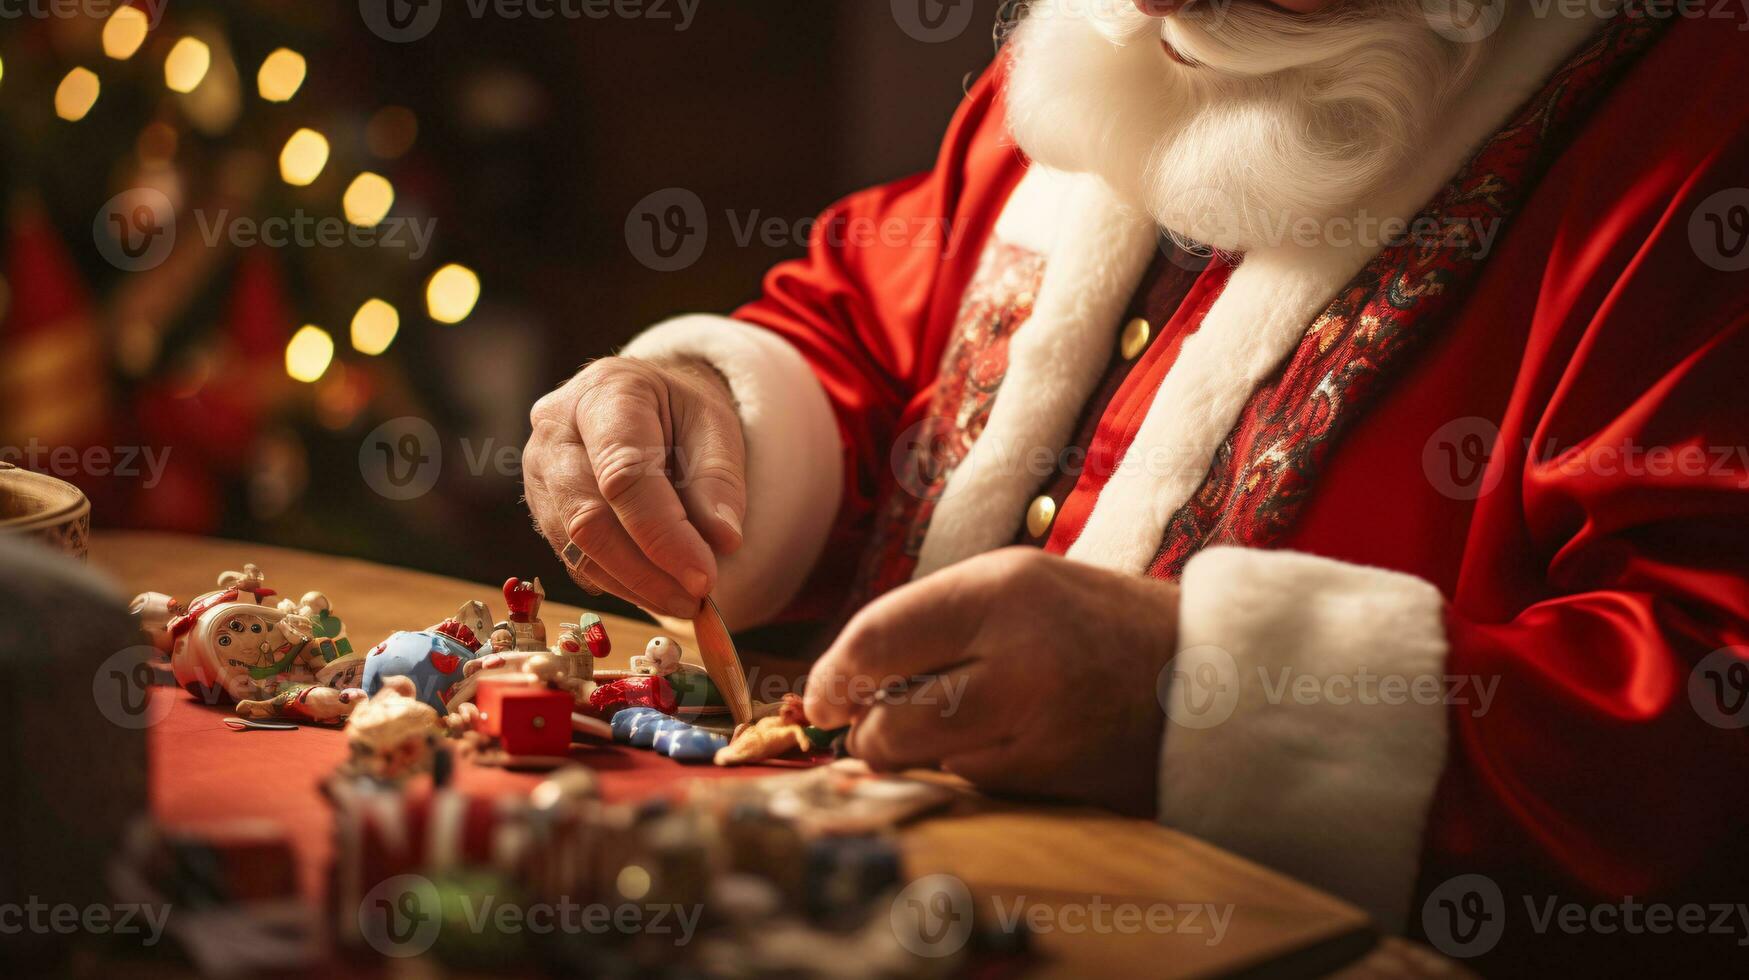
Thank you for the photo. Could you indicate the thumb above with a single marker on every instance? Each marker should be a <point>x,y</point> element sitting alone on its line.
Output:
<point>710,458</point>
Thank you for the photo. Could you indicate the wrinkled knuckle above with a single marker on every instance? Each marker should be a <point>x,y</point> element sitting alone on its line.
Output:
<point>591,521</point>
<point>620,469</point>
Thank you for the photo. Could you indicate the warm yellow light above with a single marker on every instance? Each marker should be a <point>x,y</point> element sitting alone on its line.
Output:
<point>309,353</point>
<point>451,293</point>
<point>76,94</point>
<point>633,882</point>
<point>367,199</point>
<point>187,65</point>
<point>374,327</point>
<point>124,32</point>
<point>281,75</point>
<point>303,158</point>
<point>2,68</point>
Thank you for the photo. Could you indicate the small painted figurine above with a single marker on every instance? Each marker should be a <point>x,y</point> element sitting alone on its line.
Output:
<point>770,737</point>
<point>693,687</point>
<point>331,638</point>
<point>524,600</point>
<point>246,650</point>
<point>393,735</point>
<point>251,580</point>
<point>155,610</point>
<point>503,640</point>
<point>313,703</point>
<point>432,659</point>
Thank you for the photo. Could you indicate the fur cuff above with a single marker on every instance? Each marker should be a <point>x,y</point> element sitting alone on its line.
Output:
<point>795,474</point>
<point>1308,726</point>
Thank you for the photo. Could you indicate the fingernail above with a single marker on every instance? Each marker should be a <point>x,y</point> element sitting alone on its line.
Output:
<point>697,583</point>
<point>726,514</point>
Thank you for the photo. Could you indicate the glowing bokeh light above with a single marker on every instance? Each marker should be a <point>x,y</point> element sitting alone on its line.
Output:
<point>374,327</point>
<point>187,65</point>
<point>76,94</point>
<point>308,354</point>
<point>303,158</point>
<point>124,32</point>
<point>451,293</point>
<point>368,199</point>
<point>281,75</point>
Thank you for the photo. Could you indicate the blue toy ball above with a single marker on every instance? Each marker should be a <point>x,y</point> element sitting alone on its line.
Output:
<point>432,661</point>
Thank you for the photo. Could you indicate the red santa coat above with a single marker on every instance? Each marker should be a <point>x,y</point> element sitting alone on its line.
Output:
<point>1539,510</point>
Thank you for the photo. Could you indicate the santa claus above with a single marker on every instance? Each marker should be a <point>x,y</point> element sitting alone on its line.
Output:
<point>1360,382</point>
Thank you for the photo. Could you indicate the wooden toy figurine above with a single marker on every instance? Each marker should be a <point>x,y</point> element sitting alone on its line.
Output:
<point>524,600</point>
<point>770,737</point>
<point>314,703</point>
<point>155,611</point>
<point>433,659</point>
<point>331,637</point>
<point>392,735</point>
<point>693,687</point>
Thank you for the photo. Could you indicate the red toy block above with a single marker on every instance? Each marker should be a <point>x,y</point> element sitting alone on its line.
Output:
<point>531,721</point>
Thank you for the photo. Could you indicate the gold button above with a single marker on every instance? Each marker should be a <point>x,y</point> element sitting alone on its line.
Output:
<point>1136,335</point>
<point>1040,515</point>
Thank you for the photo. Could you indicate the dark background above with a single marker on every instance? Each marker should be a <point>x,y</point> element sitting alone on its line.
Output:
<point>537,138</point>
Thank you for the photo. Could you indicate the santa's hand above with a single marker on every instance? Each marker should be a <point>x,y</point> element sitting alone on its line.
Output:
<point>1020,671</point>
<point>640,464</point>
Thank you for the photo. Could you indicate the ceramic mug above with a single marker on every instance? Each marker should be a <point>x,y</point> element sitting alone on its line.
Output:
<point>49,511</point>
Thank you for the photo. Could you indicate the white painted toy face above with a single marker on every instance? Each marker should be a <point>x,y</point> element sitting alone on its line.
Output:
<point>661,657</point>
<point>239,637</point>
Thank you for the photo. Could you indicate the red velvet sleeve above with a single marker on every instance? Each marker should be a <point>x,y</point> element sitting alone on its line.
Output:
<point>1612,763</point>
<point>871,305</point>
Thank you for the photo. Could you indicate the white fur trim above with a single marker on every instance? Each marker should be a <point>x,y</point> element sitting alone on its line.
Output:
<point>1054,361</point>
<point>1324,787</point>
<point>795,458</point>
<point>1037,210</point>
<point>1274,296</point>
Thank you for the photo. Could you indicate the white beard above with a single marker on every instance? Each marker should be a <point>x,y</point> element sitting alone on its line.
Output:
<point>1285,118</point>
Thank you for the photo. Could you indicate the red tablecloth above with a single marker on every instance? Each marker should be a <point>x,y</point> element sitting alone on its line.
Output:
<point>203,772</point>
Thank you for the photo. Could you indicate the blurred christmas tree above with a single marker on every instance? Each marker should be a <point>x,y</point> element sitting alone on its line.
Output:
<point>217,261</point>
